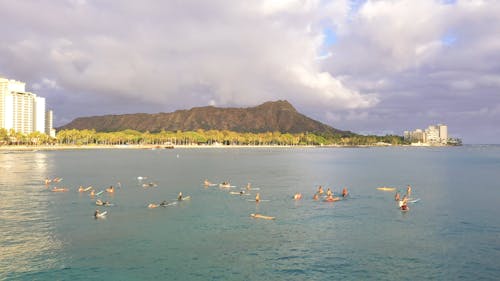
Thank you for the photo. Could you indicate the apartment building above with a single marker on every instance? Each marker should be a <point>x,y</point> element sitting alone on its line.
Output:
<point>22,111</point>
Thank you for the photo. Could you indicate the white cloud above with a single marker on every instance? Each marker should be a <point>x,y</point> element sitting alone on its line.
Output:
<point>390,60</point>
<point>226,52</point>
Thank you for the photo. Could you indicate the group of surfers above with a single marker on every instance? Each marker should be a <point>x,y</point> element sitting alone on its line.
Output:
<point>55,188</point>
<point>329,197</point>
<point>403,202</point>
<point>164,203</point>
<point>81,189</point>
<point>248,187</point>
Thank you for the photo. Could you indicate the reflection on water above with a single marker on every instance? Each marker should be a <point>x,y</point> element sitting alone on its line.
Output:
<point>26,228</point>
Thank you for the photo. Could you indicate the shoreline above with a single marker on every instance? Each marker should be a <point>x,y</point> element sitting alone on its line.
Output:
<point>166,147</point>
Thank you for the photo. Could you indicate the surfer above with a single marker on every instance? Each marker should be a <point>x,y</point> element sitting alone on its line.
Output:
<point>257,197</point>
<point>408,191</point>
<point>98,214</point>
<point>403,204</point>
<point>320,190</point>
<point>297,196</point>
<point>110,189</point>
<point>249,186</point>
<point>316,196</point>
<point>344,192</point>
<point>329,192</point>
<point>152,205</point>
<point>397,196</point>
<point>180,196</point>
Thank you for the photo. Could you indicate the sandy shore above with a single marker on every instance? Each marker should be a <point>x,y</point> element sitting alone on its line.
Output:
<point>90,147</point>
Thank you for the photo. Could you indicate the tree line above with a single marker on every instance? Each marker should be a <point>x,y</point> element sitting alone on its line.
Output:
<point>198,137</point>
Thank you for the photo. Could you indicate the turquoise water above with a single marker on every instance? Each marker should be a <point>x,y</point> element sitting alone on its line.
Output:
<point>452,233</point>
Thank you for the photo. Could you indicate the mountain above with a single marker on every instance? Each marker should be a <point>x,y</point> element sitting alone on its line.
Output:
<point>268,117</point>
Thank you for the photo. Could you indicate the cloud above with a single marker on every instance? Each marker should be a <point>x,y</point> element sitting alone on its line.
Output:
<point>420,57</point>
<point>357,65</point>
<point>172,56</point>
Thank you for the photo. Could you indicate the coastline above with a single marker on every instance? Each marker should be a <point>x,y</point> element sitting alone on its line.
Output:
<point>161,147</point>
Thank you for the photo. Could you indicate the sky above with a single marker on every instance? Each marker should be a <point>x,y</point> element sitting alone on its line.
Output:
<point>371,67</point>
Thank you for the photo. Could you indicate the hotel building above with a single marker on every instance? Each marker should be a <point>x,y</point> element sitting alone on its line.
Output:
<point>433,135</point>
<point>23,111</point>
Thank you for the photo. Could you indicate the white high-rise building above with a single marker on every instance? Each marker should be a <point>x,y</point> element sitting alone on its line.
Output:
<point>443,133</point>
<point>433,135</point>
<point>39,113</point>
<point>21,111</point>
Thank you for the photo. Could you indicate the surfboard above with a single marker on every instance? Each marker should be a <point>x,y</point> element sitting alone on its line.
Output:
<point>238,193</point>
<point>88,188</point>
<point>261,200</point>
<point>259,216</point>
<point>102,215</point>
<point>414,200</point>
<point>386,188</point>
<point>185,198</point>
<point>99,193</point>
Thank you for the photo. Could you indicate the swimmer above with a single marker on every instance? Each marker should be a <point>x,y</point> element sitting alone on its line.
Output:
<point>92,193</point>
<point>257,197</point>
<point>152,205</point>
<point>397,196</point>
<point>207,183</point>
<point>408,191</point>
<point>81,189</point>
<point>110,189</point>
<point>316,196</point>
<point>180,196</point>
<point>249,186</point>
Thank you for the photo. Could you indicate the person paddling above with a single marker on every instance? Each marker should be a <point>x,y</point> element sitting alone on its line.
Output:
<point>403,204</point>
<point>344,192</point>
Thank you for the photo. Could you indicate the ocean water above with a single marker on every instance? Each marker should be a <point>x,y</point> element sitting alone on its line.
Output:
<point>452,233</point>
